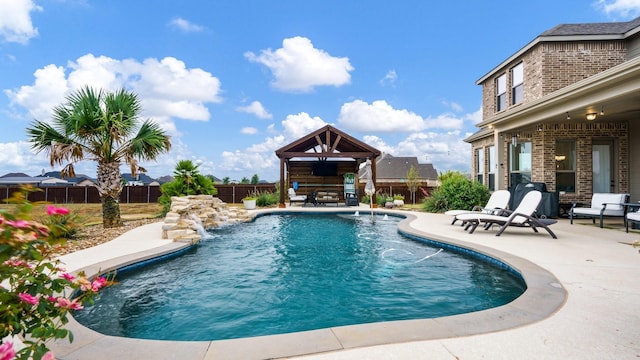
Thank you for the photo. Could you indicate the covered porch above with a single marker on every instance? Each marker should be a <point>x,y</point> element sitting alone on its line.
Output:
<point>320,160</point>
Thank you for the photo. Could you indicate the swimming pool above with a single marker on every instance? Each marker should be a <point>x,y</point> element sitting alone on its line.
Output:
<point>286,273</point>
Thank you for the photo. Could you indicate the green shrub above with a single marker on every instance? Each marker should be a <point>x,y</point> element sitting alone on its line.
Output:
<point>456,192</point>
<point>66,226</point>
<point>187,181</point>
<point>267,198</point>
<point>380,199</point>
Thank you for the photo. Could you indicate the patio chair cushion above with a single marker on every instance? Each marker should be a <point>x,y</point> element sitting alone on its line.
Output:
<point>614,205</point>
<point>602,204</point>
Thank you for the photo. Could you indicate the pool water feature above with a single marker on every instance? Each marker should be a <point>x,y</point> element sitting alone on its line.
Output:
<point>288,273</point>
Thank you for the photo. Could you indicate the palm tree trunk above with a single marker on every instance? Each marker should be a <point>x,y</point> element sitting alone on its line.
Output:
<point>109,184</point>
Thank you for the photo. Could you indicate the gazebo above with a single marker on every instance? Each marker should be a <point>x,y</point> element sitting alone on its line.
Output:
<point>320,160</point>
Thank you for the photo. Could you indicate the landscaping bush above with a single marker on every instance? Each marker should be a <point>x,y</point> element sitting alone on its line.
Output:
<point>67,226</point>
<point>267,198</point>
<point>187,181</point>
<point>456,192</point>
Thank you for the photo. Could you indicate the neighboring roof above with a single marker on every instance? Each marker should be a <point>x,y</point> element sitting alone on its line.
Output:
<point>391,167</point>
<point>574,32</point>
<point>165,179</point>
<point>13,175</point>
<point>78,178</point>
<point>328,142</point>
<point>143,178</point>
<point>19,180</point>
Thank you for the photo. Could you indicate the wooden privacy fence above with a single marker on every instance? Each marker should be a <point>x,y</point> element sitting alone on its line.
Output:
<point>232,193</point>
<point>85,194</point>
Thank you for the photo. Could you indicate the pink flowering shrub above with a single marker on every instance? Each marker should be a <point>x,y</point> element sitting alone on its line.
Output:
<point>35,292</point>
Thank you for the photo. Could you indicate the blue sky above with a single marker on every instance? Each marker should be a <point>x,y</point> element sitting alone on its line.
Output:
<point>232,81</point>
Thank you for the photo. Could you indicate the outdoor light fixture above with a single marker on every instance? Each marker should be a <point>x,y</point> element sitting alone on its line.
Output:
<point>568,116</point>
<point>602,111</point>
<point>539,127</point>
<point>592,116</point>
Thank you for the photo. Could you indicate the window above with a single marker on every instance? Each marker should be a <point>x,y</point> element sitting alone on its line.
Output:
<point>517,78</point>
<point>501,92</point>
<point>520,163</point>
<point>480,165</point>
<point>492,168</point>
<point>565,165</point>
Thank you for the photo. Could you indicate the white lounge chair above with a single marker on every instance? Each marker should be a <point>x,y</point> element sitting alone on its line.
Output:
<point>522,216</point>
<point>296,198</point>
<point>632,215</point>
<point>602,204</point>
<point>499,200</point>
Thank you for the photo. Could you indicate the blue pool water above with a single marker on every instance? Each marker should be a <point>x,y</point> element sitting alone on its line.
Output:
<point>288,273</point>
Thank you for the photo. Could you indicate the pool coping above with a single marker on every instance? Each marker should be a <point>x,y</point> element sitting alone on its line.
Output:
<point>543,297</point>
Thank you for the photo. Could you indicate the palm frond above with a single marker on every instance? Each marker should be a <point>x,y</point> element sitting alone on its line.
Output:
<point>149,142</point>
<point>42,135</point>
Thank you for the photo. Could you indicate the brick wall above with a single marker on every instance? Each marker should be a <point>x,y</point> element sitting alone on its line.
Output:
<point>550,66</point>
<point>568,62</point>
<point>584,134</point>
<point>543,151</point>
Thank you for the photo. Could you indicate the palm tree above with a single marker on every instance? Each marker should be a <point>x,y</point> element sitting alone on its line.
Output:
<point>186,171</point>
<point>100,126</point>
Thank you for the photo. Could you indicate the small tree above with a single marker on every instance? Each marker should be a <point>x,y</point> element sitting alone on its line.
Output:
<point>226,180</point>
<point>413,182</point>
<point>244,180</point>
<point>255,179</point>
<point>456,192</point>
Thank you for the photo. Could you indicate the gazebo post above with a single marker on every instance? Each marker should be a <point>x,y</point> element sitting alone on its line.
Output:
<point>281,204</point>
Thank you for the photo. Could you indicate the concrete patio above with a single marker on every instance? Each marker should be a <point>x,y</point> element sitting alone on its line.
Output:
<point>583,303</point>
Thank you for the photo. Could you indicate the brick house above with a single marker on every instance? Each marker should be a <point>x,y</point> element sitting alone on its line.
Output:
<point>564,110</point>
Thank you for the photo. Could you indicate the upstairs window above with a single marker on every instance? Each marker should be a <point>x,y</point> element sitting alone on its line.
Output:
<point>517,78</point>
<point>501,92</point>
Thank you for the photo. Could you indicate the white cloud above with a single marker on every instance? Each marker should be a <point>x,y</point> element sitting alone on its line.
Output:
<point>249,130</point>
<point>48,90</point>
<point>299,125</point>
<point>389,79</point>
<point>379,116</point>
<point>167,88</point>
<point>185,25</point>
<point>247,162</point>
<point>453,106</point>
<point>18,154</point>
<point>299,67</point>
<point>15,20</point>
<point>256,109</point>
<point>475,117</point>
<point>260,157</point>
<point>447,151</point>
<point>627,9</point>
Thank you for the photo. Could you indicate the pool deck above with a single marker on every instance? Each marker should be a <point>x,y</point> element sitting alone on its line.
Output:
<point>582,303</point>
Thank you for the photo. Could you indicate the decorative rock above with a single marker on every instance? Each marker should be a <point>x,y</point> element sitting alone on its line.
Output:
<point>188,213</point>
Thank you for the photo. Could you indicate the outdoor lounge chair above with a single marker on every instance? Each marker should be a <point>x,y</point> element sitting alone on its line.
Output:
<point>498,201</point>
<point>296,198</point>
<point>522,216</point>
<point>602,204</point>
<point>632,215</point>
